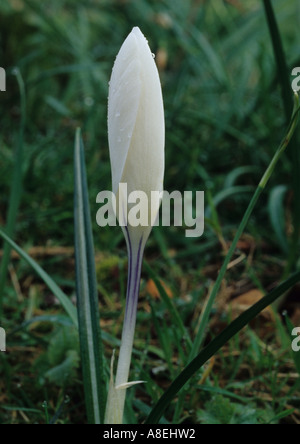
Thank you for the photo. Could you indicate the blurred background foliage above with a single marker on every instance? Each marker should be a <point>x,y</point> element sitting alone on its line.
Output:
<point>222,99</point>
<point>224,119</point>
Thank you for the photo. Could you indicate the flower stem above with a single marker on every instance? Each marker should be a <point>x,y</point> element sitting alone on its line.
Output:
<point>117,389</point>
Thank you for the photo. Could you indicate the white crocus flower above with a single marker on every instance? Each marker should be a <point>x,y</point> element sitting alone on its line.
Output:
<point>136,129</point>
<point>136,134</point>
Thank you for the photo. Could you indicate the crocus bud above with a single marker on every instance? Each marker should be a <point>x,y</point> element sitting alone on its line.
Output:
<point>136,130</point>
<point>136,134</point>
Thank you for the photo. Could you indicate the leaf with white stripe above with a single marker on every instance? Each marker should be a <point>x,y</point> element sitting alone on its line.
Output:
<point>87,297</point>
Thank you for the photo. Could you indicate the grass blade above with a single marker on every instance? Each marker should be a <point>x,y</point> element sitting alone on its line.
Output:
<point>285,84</point>
<point>169,305</point>
<point>215,345</point>
<point>276,213</point>
<point>63,299</point>
<point>208,307</point>
<point>280,59</point>
<point>16,190</point>
<point>281,415</point>
<point>87,296</point>
<point>261,186</point>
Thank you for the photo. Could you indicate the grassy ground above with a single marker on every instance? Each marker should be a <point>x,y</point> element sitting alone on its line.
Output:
<point>224,120</point>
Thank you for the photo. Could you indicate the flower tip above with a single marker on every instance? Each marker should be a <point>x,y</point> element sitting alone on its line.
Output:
<point>138,34</point>
<point>136,30</point>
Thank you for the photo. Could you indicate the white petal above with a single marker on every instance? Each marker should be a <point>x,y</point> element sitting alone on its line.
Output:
<point>136,119</point>
<point>144,167</point>
<point>123,102</point>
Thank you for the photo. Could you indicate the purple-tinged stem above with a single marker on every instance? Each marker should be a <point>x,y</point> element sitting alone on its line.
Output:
<point>117,390</point>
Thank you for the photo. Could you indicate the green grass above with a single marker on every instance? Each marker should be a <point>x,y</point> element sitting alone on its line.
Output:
<point>224,119</point>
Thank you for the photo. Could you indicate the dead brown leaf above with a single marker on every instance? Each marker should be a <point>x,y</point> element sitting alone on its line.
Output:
<point>241,303</point>
<point>153,291</point>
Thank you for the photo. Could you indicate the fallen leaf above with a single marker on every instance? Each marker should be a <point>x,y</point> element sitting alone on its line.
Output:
<point>153,291</point>
<point>241,303</point>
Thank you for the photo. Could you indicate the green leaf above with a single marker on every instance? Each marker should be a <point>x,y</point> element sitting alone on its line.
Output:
<point>281,415</point>
<point>58,106</point>
<point>229,193</point>
<point>63,372</point>
<point>169,305</point>
<point>60,362</point>
<point>87,295</point>
<point>53,319</point>
<point>276,212</point>
<point>16,189</point>
<point>260,188</point>
<point>219,410</point>
<point>61,296</point>
<point>236,173</point>
<point>64,340</point>
<point>215,345</point>
<point>279,57</point>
